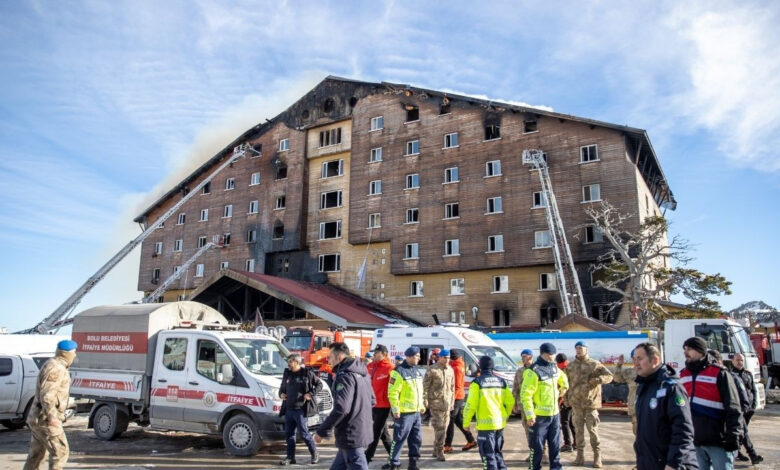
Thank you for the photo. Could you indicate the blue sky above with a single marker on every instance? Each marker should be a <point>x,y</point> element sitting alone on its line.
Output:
<point>103,105</point>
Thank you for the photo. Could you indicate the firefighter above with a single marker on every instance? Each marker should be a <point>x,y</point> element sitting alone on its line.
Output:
<point>47,412</point>
<point>490,400</point>
<point>405,394</point>
<point>439,387</point>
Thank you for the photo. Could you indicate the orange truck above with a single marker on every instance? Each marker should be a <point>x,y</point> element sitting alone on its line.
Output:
<point>314,345</point>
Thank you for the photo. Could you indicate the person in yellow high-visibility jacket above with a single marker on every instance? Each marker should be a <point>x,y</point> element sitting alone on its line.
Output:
<point>490,400</point>
<point>543,384</point>
<point>405,394</point>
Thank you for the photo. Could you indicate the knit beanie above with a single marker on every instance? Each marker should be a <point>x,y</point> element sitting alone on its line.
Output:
<point>697,344</point>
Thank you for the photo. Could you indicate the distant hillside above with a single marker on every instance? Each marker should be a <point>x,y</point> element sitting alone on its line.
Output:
<point>756,310</point>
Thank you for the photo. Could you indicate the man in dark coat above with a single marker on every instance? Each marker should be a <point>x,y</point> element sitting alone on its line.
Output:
<point>749,407</point>
<point>664,436</point>
<point>353,399</point>
<point>299,386</point>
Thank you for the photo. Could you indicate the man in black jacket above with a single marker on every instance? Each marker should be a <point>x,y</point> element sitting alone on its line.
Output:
<point>353,399</point>
<point>299,386</point>
<point>717,419</point>
<point>664,437</point>
<point>749,407</point>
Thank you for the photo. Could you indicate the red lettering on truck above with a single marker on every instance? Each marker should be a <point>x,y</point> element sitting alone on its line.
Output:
<point>121,343</point>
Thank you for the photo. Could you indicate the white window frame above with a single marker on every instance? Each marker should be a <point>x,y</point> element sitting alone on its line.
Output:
<point>451,140</point>
<point>587,152</point>
<point>452,247</point>
<point>254,206</point>
<point>410,180</point>
<point>251,236</point>
<point>375,188</point>
<point>412,251</point>
<point>227,212</point>
<point>230,184</point>
<point>458,286</point>
<point>181,219</point>
<point>330,137</point>
<point>542,198</point>
<point>498,243</point>
<point>250,265</point>
<point>204,215</point>
<point>596,236</point>
<point>202,242</point>
<point>539,237</point>
<point>156,274</point>
<point>323,199</point>
<point>224,265</point>
<point>377,123</point>
<point>176,269</point>
<point>324,174</point>
<point>322,230</point>
<point>281,202</point>
<point>416,289</point>
<point>254,179</point>
<point>321,263</point>
<point>200,269</point>
<point>552,281</point>
<point>158,248</point>
<point>502,282</point>
<point>497,203</point>
<point>284,145</point>
<point>590,192</point>
<point>376,155</point>
<point>410,145</point>
<point>451,175</point>
<point>178,245</point>
<point>412,211</point>
<point>493,168</point>
<point>448,208</point>
<point>375,220</point>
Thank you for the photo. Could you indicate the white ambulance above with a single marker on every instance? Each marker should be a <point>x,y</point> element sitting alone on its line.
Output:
<point>180,366</point>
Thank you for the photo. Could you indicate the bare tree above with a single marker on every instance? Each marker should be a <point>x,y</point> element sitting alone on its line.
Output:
<point>638,266</point>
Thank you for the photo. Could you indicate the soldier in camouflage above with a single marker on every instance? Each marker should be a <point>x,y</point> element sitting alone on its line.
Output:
<point>439,386</point>
<point>627,376</point>
<point>48,410</point>
<point>586,376</point>
<point>527,356</point>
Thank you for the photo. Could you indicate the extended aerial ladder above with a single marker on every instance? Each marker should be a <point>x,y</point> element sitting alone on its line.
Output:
<point>177,274</point>
<point>565,272</point>
<point>54,321</point>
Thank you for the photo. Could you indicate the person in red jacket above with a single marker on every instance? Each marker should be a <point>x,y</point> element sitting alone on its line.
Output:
<point>379,372</point>
<point>456,416</point>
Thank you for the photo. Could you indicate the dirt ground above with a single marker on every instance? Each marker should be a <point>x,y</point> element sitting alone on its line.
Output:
<point>143,449</point>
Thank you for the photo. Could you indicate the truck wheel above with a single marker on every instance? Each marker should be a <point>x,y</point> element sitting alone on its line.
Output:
<point>241,436</point>
<point>109,423</point>
<point>18,423</point>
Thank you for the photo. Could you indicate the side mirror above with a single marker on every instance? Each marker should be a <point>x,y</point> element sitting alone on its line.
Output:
<point>225,375</point>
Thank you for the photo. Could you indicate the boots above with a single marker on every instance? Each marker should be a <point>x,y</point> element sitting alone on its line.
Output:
<point>597,459</point>
<point>580,460</point>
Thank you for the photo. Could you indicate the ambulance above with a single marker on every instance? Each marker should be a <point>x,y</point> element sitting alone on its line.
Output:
<point>181,367</point>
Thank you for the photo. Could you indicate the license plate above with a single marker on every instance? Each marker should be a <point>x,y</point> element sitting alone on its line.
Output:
<point>314,420</point>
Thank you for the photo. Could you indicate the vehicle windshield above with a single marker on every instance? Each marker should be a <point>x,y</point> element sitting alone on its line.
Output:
<point>297,342</point>
<point>502,361</point>
<point>719,339</point>
<point>260,356</point>
<point>744,340</point>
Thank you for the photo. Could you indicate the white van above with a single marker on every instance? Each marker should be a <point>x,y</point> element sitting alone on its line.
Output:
<point>471,345</point>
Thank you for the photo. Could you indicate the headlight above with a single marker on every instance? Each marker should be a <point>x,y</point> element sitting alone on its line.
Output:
<point>268,392</point>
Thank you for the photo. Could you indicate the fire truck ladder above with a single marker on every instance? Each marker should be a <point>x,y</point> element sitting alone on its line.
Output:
<point>54,320</point>
<point>565,272</point>
<point>176,275</point>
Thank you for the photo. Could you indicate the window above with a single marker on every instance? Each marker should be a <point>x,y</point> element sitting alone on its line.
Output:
<point>593,234</point>
<point>279,231</point>
<point>182,218</point>
<point>249,265</point>
<point>451,211</point>
<point>457,286</point>
<point>158,248</point>
<point>412,181</point>
<point>530,126</point>
<point>199,269</point>
<point>540,200</point>
<point>413,147</point>
<point>452,247</point>
<point>412,216</point>
<point>330,199</point>
<point>412,251</point>
<point>281,172</point>
<point>451,140</point>
<point>176,270</point>
<point>230,183</point>
<point>500,284</point>
<point>330,137</point>
<point>412,113</point>
<point>376,155</point>
<point>591,192</point>
<point>155,275</point>
<point>284,144</point>
<point>494,205</point>
<point>228,212</point>
<point>547,281</point>
<point>253,207</point>
<point>492,132</point>
<point>495,243</point>
<point>201,242</point>
<point>211,358</point>
<point>181,297</point>
<point>333,168</point>
<point>225,239</point>
<point>416,289</point>
<point>207,188</point>
<point>542,239</point>
<point>589,153</point>
<point>254,179</point>
<point>330,230</point>
<point>258,150</point>
<point>451,175</point>
<point>177,245</point>
<point>204,215</point>
<point>281,203</point>
<point>377,123</point>
<point>493,168</point>
<point>374,220</point>
<point>251,236</point>
<point>375,187</point>
<point>501,317</point>
<point>224,265</point>
<point>330,263</point>
<point>445,107</point>
<point>175,353</point>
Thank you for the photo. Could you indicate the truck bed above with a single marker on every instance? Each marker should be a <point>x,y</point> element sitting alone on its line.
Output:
<point>109,384</point>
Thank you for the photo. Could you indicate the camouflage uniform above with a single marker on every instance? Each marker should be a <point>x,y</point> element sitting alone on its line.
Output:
<point>586,376</point>
<point>439,386</point>
<point>627,376</point>
<point>51,400</point>
<point>516,387</point>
